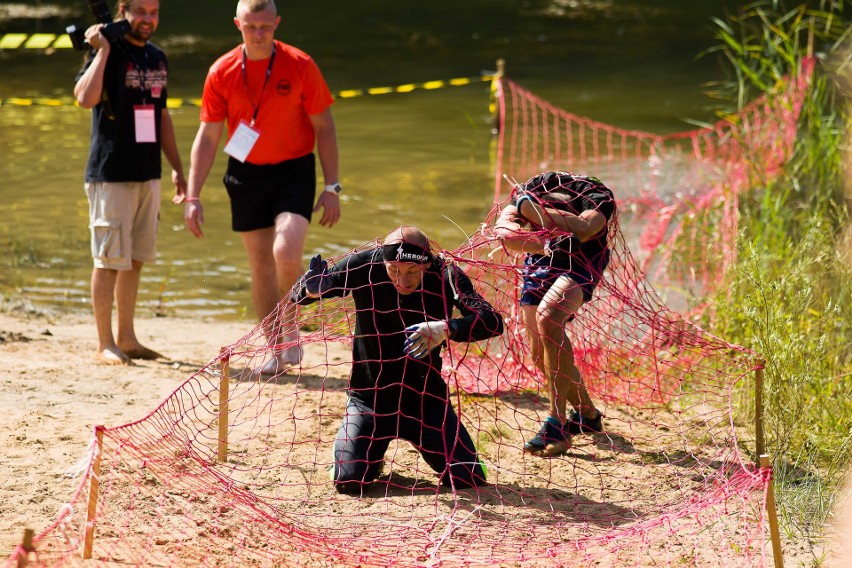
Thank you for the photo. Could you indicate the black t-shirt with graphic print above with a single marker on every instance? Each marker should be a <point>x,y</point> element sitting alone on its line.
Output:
<point>583,193</point>
<point>133,76</point>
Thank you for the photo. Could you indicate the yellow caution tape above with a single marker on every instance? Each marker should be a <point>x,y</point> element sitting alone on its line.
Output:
<point>63,42</point>
<point>40,41</point>
<point>37,39</point>
<point>408,87</point>
<point>12,41</point>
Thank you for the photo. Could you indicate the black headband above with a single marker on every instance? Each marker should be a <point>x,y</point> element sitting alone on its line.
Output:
<point>405,252</point>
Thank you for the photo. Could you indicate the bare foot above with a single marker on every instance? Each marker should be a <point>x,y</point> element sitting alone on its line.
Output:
<point>112,356</point>
<point>142,352</point>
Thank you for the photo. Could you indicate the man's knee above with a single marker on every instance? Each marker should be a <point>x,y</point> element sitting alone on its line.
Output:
<point>288,264</point>
<point>353,477</point>
<point>351,487</point>
<point>290,233</point>
<point>550,325</point>
<point>351,481</point>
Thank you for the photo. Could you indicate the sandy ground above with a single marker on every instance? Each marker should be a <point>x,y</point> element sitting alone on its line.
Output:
<point>54,393</point>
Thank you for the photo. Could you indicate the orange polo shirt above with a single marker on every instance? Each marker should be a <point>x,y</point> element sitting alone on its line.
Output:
<point>295,90</point>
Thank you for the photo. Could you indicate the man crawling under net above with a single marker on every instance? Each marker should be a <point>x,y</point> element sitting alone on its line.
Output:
<point>404,299</point>
<point>560,220</point>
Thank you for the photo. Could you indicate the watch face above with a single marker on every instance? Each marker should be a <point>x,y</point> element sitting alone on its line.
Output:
<point>337,188</point>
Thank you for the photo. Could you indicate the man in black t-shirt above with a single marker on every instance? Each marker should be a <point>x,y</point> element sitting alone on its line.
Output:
<point>404,299</point>
<point>125,82</point>
<point>560,220</point>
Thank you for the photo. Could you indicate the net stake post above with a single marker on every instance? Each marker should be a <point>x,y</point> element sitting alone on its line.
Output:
<point>493,106</point>
<point>94,486</point>
<point>26,547</point>
<point>224,386</point>
<point>758,409</point>
<point>773,515</point>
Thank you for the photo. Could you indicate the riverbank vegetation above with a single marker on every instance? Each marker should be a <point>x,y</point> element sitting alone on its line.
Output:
<point>790,295</point>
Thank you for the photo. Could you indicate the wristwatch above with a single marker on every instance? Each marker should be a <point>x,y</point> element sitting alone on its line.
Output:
<point>334,188</point>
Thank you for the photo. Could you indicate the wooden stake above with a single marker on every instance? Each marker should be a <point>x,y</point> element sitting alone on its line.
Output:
<point>493,106</point>
<point>758,409</point>
<point>94,485</point>
<point>223,405</point>
<point>772,514</point>
<point>27,547</point>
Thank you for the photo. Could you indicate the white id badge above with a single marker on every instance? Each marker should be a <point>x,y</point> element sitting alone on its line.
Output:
<point>243,140</point>
<point>146,129</point>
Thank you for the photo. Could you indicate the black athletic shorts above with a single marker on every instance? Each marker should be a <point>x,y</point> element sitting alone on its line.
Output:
<point>541,272</point>
<point>259,193</point>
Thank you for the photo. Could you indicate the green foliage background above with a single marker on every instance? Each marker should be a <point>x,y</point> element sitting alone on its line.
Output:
<point>790,296</point>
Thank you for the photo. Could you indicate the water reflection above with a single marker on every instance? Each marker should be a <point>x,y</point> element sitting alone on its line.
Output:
<point>45,240</point>
<point>420,158</point>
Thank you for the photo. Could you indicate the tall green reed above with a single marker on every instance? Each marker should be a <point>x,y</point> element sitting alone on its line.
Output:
<point>790,295</point>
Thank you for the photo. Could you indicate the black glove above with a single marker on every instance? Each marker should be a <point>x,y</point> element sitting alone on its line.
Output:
<point>317,279</point>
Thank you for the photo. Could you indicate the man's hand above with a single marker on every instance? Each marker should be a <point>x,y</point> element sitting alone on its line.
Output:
<point>180,187</point>
<point>330,205</point>
<point>317,278</point>
<point>193,217</point>
<point>95,38</point>
<point>510,223</point>
<point>424,337</point>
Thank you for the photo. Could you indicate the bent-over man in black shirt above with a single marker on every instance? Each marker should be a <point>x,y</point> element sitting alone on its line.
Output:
<point>561,221</point>
<point>404,299</point>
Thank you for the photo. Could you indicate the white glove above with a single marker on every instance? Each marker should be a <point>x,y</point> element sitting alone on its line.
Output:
<point>424,337</point>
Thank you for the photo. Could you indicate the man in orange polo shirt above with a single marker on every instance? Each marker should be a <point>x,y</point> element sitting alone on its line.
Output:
<point>277,108</point>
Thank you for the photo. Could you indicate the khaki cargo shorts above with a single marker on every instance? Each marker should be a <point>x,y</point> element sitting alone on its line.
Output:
<point>123,218</point>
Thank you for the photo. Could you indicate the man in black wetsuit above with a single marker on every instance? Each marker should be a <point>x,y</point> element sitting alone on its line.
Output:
<point>404,299</point>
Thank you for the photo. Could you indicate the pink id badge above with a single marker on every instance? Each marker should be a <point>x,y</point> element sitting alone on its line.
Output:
<point>146,130</point>
<point>242,141</point>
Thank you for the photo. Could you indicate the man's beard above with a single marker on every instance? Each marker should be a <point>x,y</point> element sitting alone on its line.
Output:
<point>138,34</point>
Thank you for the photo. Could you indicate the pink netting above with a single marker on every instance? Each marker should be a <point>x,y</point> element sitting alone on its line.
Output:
<point>679,191</point>
<point>667,482</point>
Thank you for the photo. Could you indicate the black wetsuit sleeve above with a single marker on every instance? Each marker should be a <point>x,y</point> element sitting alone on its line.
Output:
<point>341,279</point>
<point>479,318</point>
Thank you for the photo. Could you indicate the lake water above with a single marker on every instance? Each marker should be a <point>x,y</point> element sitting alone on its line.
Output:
<point>418,158</point>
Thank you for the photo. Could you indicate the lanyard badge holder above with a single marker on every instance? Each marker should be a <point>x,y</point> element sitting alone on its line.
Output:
<point>242,141</point>
<point>245,136</point>
<point>144,121</point>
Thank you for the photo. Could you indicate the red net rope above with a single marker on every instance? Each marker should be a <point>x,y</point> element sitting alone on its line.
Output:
<point>666,483</point>
<point>679,191</point>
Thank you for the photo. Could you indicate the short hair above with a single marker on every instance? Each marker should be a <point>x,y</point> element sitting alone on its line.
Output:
<point>257,5</point>
<point>122,5</point>
<point>408,234</point>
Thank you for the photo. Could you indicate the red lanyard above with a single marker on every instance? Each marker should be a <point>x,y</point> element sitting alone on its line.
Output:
<point>265,81</point>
